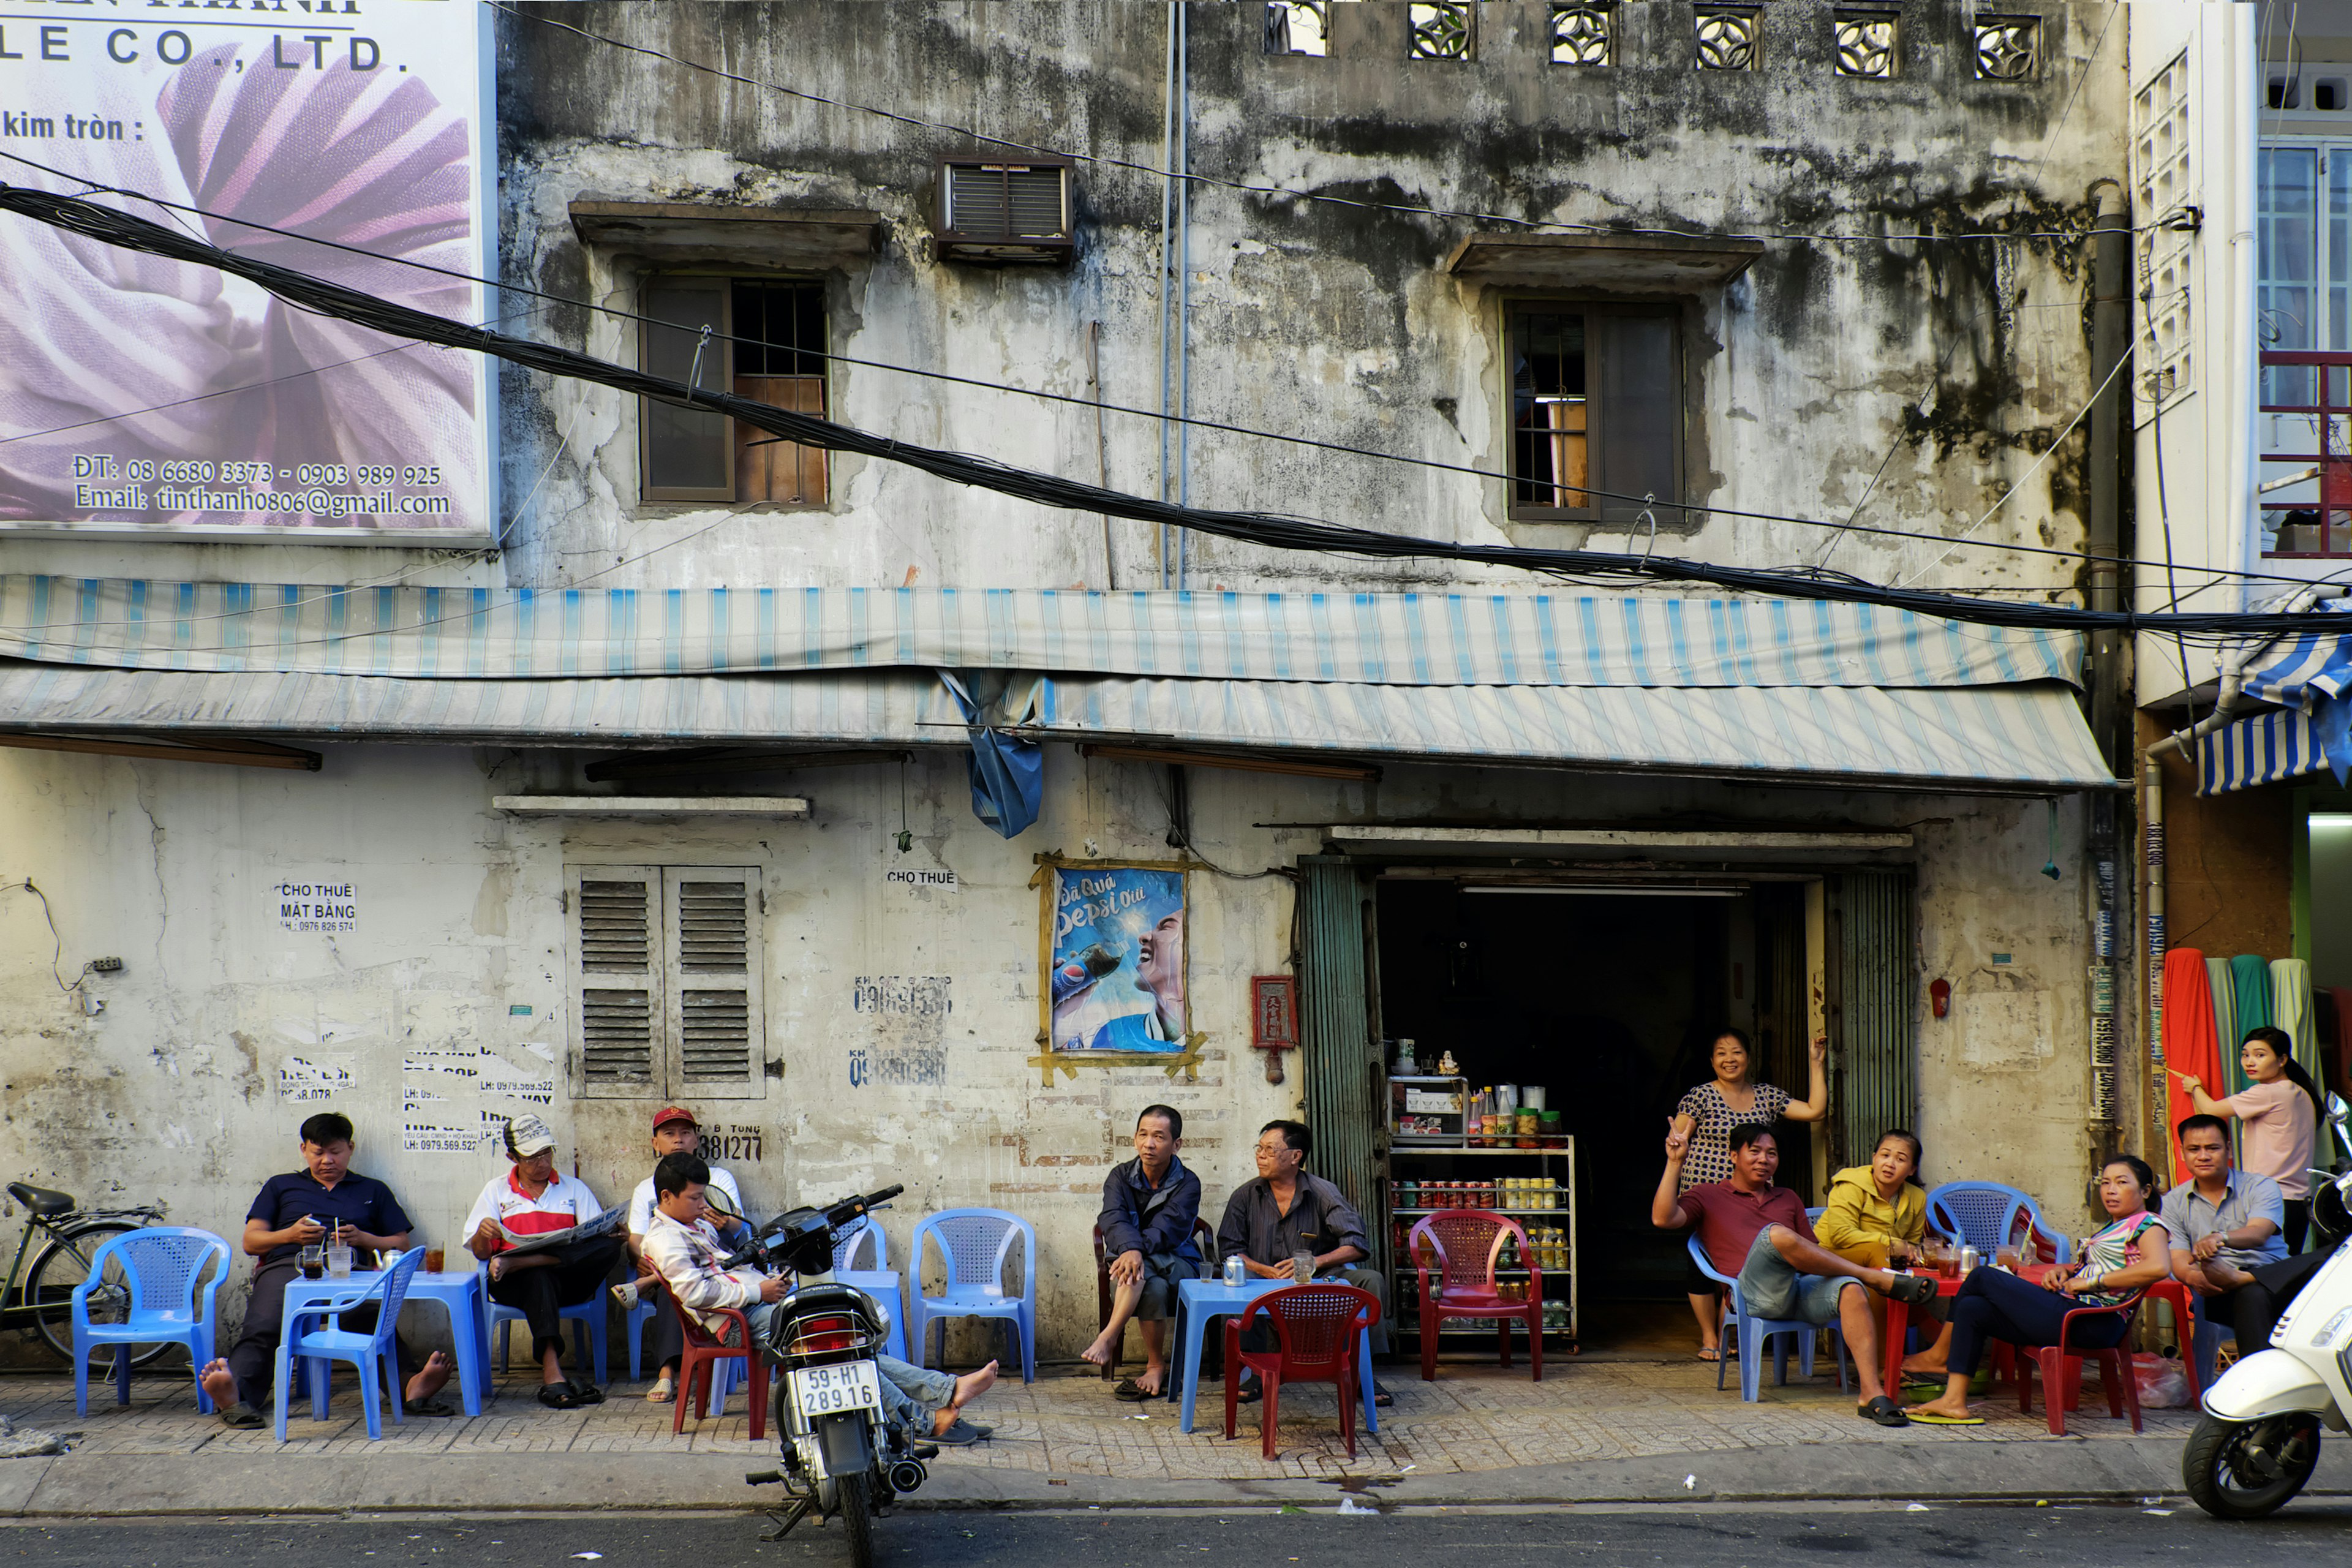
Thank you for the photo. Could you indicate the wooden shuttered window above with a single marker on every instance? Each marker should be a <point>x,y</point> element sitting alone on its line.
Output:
<point>666,966</point>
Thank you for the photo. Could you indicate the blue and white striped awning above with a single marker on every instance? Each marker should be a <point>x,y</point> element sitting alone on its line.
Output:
<point>1381,639</point>
<point>2307,676</point>
<point>1787,690</point>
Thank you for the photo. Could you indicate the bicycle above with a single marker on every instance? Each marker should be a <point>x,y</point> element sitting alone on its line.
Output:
<point>39,1297</point>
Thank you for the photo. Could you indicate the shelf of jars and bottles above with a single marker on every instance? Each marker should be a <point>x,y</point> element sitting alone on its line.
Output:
<point>1534,1187</point>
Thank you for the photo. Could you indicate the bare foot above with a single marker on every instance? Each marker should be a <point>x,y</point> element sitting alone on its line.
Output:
<point>429,1378</point>
<point>220,1383</point>
<point>968,1387</point>
<point>1955,1405</point>
<point>1152,1379</point>
<point>1923,1365</point>
<point>1098,1352</point>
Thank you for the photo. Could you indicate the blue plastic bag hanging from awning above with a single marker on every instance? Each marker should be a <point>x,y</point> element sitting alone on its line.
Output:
<point>1008,771</point>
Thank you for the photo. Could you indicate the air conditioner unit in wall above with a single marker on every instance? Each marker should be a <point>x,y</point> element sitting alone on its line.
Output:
<point>1003,211</point>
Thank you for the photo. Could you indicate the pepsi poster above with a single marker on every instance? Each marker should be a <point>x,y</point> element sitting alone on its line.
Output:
<point>1115,939</point>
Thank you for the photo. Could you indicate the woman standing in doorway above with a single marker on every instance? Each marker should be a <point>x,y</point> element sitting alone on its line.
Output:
<point>1702,1126</point>
<point>2280,1109</point>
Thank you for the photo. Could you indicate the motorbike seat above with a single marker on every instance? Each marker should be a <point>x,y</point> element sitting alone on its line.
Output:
<point>42,1201</point>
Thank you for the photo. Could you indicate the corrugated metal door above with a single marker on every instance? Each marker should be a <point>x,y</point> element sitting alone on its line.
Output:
<point>1341,1060</point>
<point>1873,997</point>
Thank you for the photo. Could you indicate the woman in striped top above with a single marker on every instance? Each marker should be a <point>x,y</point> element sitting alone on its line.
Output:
<point>2131,1252</point>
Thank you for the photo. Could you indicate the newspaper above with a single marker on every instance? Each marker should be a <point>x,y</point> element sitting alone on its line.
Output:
<point>604,1223</point>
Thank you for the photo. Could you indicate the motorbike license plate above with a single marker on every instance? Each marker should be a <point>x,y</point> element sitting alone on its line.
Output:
<point>828,1390</point>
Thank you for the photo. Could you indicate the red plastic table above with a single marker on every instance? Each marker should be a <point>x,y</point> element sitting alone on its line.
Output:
<point>1898,1315</point>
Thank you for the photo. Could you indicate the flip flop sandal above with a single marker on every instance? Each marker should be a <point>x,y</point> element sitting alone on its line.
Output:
<point>1912,1289</point>
<point>1250,1394</point>
<point>585,1391</point>
<point>1883,1411</point>
<point>962,1434</point>
<point>661,1392</point>
<point>1383,1397</point>
<point>242,1415</point>
<point>427,1406</point>
<point>1710,1355</point>
<point>558,1396</point>
<point>1133,1392</point>
<point>1924,1419</point>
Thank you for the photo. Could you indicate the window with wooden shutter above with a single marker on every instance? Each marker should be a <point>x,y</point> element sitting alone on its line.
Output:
<point>717,1040</point>
<point>763,339</point>
<point>665,964</point>
<point>616,929</point>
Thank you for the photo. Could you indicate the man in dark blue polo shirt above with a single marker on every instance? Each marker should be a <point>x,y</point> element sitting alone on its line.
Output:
<point>323,1201</point>
<point>1148,1206</point>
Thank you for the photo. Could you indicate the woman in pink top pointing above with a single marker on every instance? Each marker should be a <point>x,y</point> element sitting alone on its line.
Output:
<point>2280,1109</point>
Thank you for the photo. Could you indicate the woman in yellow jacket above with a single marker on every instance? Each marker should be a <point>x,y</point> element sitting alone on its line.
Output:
<point>1878,1213</point>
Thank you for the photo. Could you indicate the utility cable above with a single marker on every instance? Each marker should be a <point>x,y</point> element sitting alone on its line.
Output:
<point>1265,530</point>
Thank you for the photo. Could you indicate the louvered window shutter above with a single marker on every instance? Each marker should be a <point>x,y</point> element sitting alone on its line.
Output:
<point>718,1031</point>
<point>1033,204</point>
<point>617,1006</point>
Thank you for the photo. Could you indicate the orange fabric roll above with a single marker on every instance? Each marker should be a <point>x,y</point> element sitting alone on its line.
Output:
<point>2190,1044</point>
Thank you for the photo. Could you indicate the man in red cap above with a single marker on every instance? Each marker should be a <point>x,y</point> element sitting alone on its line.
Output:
<point>675,1133</point>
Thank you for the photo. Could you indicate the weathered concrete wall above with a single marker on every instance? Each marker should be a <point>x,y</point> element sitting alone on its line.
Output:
<point>174,1092</point>
<point>1953,364</point>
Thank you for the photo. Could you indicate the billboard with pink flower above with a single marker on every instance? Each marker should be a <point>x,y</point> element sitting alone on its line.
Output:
<point>342,138</point>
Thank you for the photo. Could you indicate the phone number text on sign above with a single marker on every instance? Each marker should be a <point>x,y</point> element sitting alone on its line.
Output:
<point>316,906</point>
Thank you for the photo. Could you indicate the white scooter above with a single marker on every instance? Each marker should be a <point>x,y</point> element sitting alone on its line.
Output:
<point>2258,1439</point>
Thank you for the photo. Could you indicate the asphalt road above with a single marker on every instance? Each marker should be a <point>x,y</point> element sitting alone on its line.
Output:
<point>1705,1536</point>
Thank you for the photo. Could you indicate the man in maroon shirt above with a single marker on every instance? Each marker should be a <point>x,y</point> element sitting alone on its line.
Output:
<point>1756,1232</point>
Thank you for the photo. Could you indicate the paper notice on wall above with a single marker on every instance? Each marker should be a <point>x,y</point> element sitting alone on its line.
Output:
<point>533,1082</point>
<point>315,904</point>
<point>313,1079</point>
<point>936,882</point>
<point>438,1138</point>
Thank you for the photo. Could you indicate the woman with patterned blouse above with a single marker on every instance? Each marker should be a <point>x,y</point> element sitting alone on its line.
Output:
<point>1702,1127</point>
<point>2129,1254</point>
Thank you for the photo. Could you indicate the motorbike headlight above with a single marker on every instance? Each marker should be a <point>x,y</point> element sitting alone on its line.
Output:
<point>2330,1328</point>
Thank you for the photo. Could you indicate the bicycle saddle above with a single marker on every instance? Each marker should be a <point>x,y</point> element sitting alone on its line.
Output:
<point>41,1201</point>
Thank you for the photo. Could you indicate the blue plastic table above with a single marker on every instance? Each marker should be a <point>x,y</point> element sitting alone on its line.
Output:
<point>1200,1300</point>
<point>459,1291</point>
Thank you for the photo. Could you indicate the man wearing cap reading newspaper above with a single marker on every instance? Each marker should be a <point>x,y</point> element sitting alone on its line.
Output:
<point>522,1226</point>
<point>675,1133</point>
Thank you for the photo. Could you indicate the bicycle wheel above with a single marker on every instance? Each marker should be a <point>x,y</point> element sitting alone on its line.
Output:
<point>59,1270</point>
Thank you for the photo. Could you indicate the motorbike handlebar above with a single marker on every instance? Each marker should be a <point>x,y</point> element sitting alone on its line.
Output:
<point>797,1236</point>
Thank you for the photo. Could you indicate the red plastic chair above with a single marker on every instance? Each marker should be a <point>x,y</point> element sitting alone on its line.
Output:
<point>701,1357</point>
<point>2184,1324</point>
<point>1204,1241</point>
<point>1316,1330</point>
<point>1468,1242</point>
<point>2061,1369</point>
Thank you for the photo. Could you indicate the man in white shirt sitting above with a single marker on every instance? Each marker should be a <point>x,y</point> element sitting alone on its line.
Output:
<point>532,1199</point>
<point>675,1133</point>
<point>686,1250</point>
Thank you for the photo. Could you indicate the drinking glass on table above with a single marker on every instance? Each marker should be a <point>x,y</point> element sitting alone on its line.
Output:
<point>1302,1267</point>
<point>433,1259</point>
<point>314,1261</point>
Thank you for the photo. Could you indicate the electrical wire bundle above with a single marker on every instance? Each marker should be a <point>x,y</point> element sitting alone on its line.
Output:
<point>1267,529</point>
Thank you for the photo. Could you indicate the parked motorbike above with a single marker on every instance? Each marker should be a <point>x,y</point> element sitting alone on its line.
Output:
<point>2257,1441</point>
<point>841,1458</point>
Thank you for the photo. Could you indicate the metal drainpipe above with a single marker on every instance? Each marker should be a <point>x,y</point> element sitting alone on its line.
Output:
<point>2110,318</point>
<point>1184,92</point>
<point>1167,196</point>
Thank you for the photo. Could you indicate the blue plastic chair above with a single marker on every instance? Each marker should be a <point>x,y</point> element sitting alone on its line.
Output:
<point>880,1281</point>
<point>375,1353</point>
<point>160,1267</point>
<point>589,1313</point>
<point>1752,1334</point>
<point>975,1244</point>
<point>1985,1215</point>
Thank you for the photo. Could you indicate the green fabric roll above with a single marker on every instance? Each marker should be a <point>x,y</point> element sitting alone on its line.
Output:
<point>2250,978</point>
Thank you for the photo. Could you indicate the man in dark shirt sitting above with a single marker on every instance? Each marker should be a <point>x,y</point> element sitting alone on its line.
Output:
<point>1287,1210</point>
<point>1148,1206</point>
<point>1756,1232</point>
<point>323,1200</point>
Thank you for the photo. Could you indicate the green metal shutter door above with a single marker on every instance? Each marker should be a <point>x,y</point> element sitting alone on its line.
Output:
<point>1875,994</point>
<point>1336,1041</point>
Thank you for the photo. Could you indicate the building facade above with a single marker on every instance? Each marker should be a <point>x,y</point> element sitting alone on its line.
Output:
<point>681,791</point>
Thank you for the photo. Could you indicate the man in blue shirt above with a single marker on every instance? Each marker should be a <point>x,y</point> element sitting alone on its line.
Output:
<point>1148,1206</point>
<point>2225,1224</point>
<point>324,1201</point>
